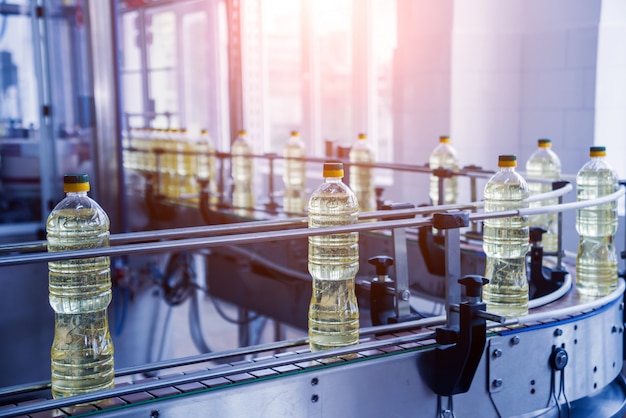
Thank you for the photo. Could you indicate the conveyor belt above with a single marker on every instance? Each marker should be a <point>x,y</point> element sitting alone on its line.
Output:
<point>262,363</point>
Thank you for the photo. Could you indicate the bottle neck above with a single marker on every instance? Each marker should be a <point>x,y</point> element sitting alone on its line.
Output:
<point>507,169</point>
<point>332,179</point>
<point>76,194</point>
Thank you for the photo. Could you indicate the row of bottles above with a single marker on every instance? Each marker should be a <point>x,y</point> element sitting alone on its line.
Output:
<point>80,289</point>
<point>505,240</point>
<point>174,159</point>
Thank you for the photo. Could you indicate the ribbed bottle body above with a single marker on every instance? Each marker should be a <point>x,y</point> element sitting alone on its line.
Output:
<point>544,164</point>
<point>596,261</point>
<point>443,156</point>
<point>505,242</point>
<point>81,354</point>
<point>80,292</point>
<point>333,262</point>
<point>362,178</point>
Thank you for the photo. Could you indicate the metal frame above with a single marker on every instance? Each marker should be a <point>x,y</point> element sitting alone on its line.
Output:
<point>107,140</point>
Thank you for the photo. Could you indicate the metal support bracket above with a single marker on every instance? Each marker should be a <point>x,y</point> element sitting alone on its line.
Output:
<point>403,294</point>
<point>450,222</point>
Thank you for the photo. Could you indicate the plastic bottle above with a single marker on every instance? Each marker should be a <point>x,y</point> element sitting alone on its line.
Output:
<point>505,241</point>
<point>333,264</point>
<point>362,178</point>
<point>596,262</point>
<point>444,156</point>
<point>161,160</point>
<point>127,142</point>
<point>185,166</point>
<point>206,167</point>
<point>243,196</point>
<point>80,292</point>
<point>544,164</point>
<point>294,176</point>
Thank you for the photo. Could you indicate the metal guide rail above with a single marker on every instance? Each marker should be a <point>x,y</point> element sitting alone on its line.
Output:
<point>258,231</point>
<point>161,388</point>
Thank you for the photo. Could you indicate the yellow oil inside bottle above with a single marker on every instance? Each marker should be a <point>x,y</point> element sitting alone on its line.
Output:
<point>333,262</point>
<point>80,291</point>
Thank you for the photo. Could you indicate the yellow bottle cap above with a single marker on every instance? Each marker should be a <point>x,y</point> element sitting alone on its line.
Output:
<point>295,133</point>
<point>362,136</point>
<point>507,161</point>
<point>544,143</point>
<point>333,169</point>
<point>444,139</point>
<point>597,151</point>
<point>73,183</point>
<point>242,132</point>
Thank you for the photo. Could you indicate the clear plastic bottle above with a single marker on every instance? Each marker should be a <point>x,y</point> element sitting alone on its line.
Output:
<point>544,164</point>
<point>206,167</point>
<point>362,178</point>
<point>443,156</point>
<point>505,241</point>
<point>161,161</point>
<point>80,292</point>
<point>333,264</point>
<point>185,164</point>
<point>127,142</point>
<point>596,262</point>
<point>242,167</point>
<point>294,176</point>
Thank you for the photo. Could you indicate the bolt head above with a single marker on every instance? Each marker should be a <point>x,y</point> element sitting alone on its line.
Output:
<point>497,383</point>
<point>515,340</point>
<point>497,353</point>
<point>405,295</point>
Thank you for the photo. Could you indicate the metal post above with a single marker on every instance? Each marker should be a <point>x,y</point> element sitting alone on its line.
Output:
<point>107,140</point>
<point>403,307</point>
<point>453,273</point>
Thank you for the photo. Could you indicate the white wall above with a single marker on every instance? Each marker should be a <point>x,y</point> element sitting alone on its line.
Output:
<point>610,127</point>
<point>524,70</point>
<point>421,106</point>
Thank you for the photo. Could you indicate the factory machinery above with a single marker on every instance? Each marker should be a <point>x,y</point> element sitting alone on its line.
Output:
<point>562,359</point>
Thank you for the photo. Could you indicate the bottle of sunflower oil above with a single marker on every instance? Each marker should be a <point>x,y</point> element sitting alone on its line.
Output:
<point>333,262</point>
<point>596,262</point>
<point>362,178</point>
<point>294,176</point>
<point>544,164</point>
<point>206,167</point>
<point>443,156</point>
<point>80,292</point>
<point>505,241</point>
<point>242,169</point>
